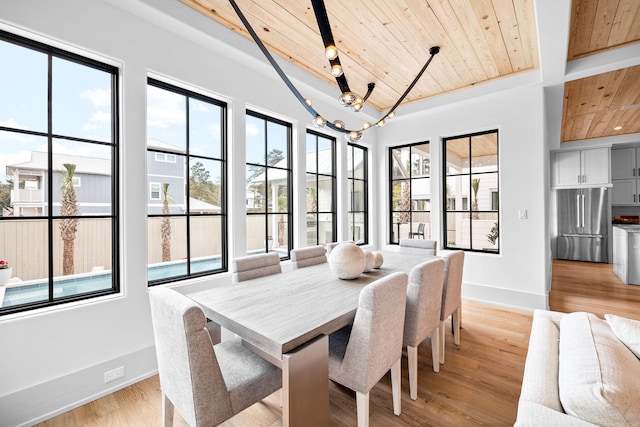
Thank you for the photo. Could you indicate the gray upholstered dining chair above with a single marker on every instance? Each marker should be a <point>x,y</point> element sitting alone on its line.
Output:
<point>254,266</point>
<point>311,255</point>
<point>422,317</point>
<point>418,246</point>
<point>451,296</point>
<point>207,383</point>
<point>362,353</point>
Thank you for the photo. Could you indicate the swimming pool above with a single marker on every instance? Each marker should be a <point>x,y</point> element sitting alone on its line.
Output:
<point>34,290</point>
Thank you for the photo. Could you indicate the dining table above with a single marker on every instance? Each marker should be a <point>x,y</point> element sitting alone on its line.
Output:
<point>287,318</point>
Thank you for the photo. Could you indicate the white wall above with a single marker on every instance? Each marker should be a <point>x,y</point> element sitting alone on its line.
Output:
<point>516,276</point>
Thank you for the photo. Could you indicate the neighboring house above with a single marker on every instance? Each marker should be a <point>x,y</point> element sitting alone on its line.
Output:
<point>92,182</point>
<point>164,167</point>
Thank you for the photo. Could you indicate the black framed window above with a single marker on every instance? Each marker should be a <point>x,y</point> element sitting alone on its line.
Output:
<point>472,176</point>
<point>268,190</point>
<point>321,189</point>
<point>187,181</point>
<point>358,189</point>
<point>410,192</point>
<point>58,175</point>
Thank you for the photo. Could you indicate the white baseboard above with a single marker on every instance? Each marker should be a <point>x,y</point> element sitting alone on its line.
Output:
<point>505,297</point>
<point>40,402</point>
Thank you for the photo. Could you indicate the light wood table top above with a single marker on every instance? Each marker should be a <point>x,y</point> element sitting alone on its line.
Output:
<point>280,312</point>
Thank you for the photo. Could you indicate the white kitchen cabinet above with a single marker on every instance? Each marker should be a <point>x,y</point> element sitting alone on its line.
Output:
<point>581,168</point>
<point>625,163</point>
<point>625,192</point>
<point>626,253</point>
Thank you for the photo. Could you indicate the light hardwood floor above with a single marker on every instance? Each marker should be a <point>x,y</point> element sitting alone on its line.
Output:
<point>479,384</point>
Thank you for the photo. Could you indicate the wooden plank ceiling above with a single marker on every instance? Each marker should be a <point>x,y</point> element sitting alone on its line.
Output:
<point>388,41</point>
<point>606,104</point>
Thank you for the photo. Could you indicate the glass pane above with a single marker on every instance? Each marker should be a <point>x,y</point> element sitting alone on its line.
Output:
<point>358,163</point>
<point>400,227</point>
<point>255,139</point>
<point>206,243</point>
<point>418,218</point>
<point>325,229</point>
<point>458,230</point>
<point>312,155</point>
<point>81,255</point>
<point>24,246</point>
<point>325,156</point>
<point>23,166</point>
<point>357,228</point>
<point>484,234</point>
<point>81,101</point>
<point>205,129</point>
<point>421,194</point>
<point>23,85</point>
<point>256,232</point>
<point>312,229</point>
<point>457,152</point>
<point>167,177</point>
<point>421,160</point>
<point>167,247</point>
<point>312,194</point>
<point>457,190</point>
<point>166,120</point>
<point>484,152</point>
<point>256,196</point>
<point>280,197</point>
<point>279,232</point>
<point>205,178</point>
<point>82,182</point>
<point>325,194</point>
<point>401,196</point>
<point>356,196</point>
<point>276,144</point>
<point>487,189</point>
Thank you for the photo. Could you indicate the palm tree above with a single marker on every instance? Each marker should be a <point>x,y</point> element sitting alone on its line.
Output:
<point>475,185</point>
<point>165,227</point>
<point>69,225</point>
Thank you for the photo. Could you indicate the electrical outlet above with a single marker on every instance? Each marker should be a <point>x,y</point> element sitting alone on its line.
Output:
<point>113,374</point>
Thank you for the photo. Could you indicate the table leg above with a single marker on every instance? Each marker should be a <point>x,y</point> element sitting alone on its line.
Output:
<point>305,385</point>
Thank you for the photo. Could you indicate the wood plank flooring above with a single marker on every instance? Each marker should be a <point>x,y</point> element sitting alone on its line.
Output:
<point>479,384</point>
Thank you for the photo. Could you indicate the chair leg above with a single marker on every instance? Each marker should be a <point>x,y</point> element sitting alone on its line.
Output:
<point>442,342</point>
<point>396,386</point>
<point>435,349</point>
<point>412,356</point>
<point>167,411</point>
<point>362,409</point>
<point>456,325</point>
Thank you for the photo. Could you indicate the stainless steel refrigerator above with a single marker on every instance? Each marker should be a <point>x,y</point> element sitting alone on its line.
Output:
<point>583,224</point>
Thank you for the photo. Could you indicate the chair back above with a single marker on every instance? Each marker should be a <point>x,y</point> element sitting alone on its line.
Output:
<point>254,266</point>
<point>305,257</point>
<point>424,301</point>
<point>418,246</point>
<point>375,343</point>
<point>187,365</point>
<point>452,290</point>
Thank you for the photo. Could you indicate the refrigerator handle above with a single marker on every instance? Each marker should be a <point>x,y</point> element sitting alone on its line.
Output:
<point>583,210</point>
<point>578,210</point>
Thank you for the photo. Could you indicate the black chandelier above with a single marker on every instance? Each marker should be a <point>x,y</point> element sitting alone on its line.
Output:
<point>347,98</point>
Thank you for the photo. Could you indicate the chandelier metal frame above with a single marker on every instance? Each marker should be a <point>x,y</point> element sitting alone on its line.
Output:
<point>347,98</point>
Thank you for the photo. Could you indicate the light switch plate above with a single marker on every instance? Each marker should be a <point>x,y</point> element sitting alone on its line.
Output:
<point>522,213</point>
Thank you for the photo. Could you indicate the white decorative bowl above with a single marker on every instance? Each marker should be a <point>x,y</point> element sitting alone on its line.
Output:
<point>370,260</point>
<point>347,260</point>
<point>378,260</point>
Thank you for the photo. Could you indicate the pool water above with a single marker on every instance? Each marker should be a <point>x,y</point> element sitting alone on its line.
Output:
<point>34,292</point>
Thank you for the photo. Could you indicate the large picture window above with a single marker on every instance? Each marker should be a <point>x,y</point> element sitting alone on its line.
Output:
<point>58,176</point>
<point>321,189</point>
<point>472,180</point>
<point>358,189</point>
<point>268,190</point>
<point>186,175</point>
<point>410,192</point>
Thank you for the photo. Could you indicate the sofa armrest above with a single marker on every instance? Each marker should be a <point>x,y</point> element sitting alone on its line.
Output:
<point>531,414</point>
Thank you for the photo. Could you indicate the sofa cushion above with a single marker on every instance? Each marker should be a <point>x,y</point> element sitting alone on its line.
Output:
<point>598,375</point>
<point>627,331</point>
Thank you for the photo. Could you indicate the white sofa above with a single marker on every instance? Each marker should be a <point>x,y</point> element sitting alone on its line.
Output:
<point>578,372</point>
